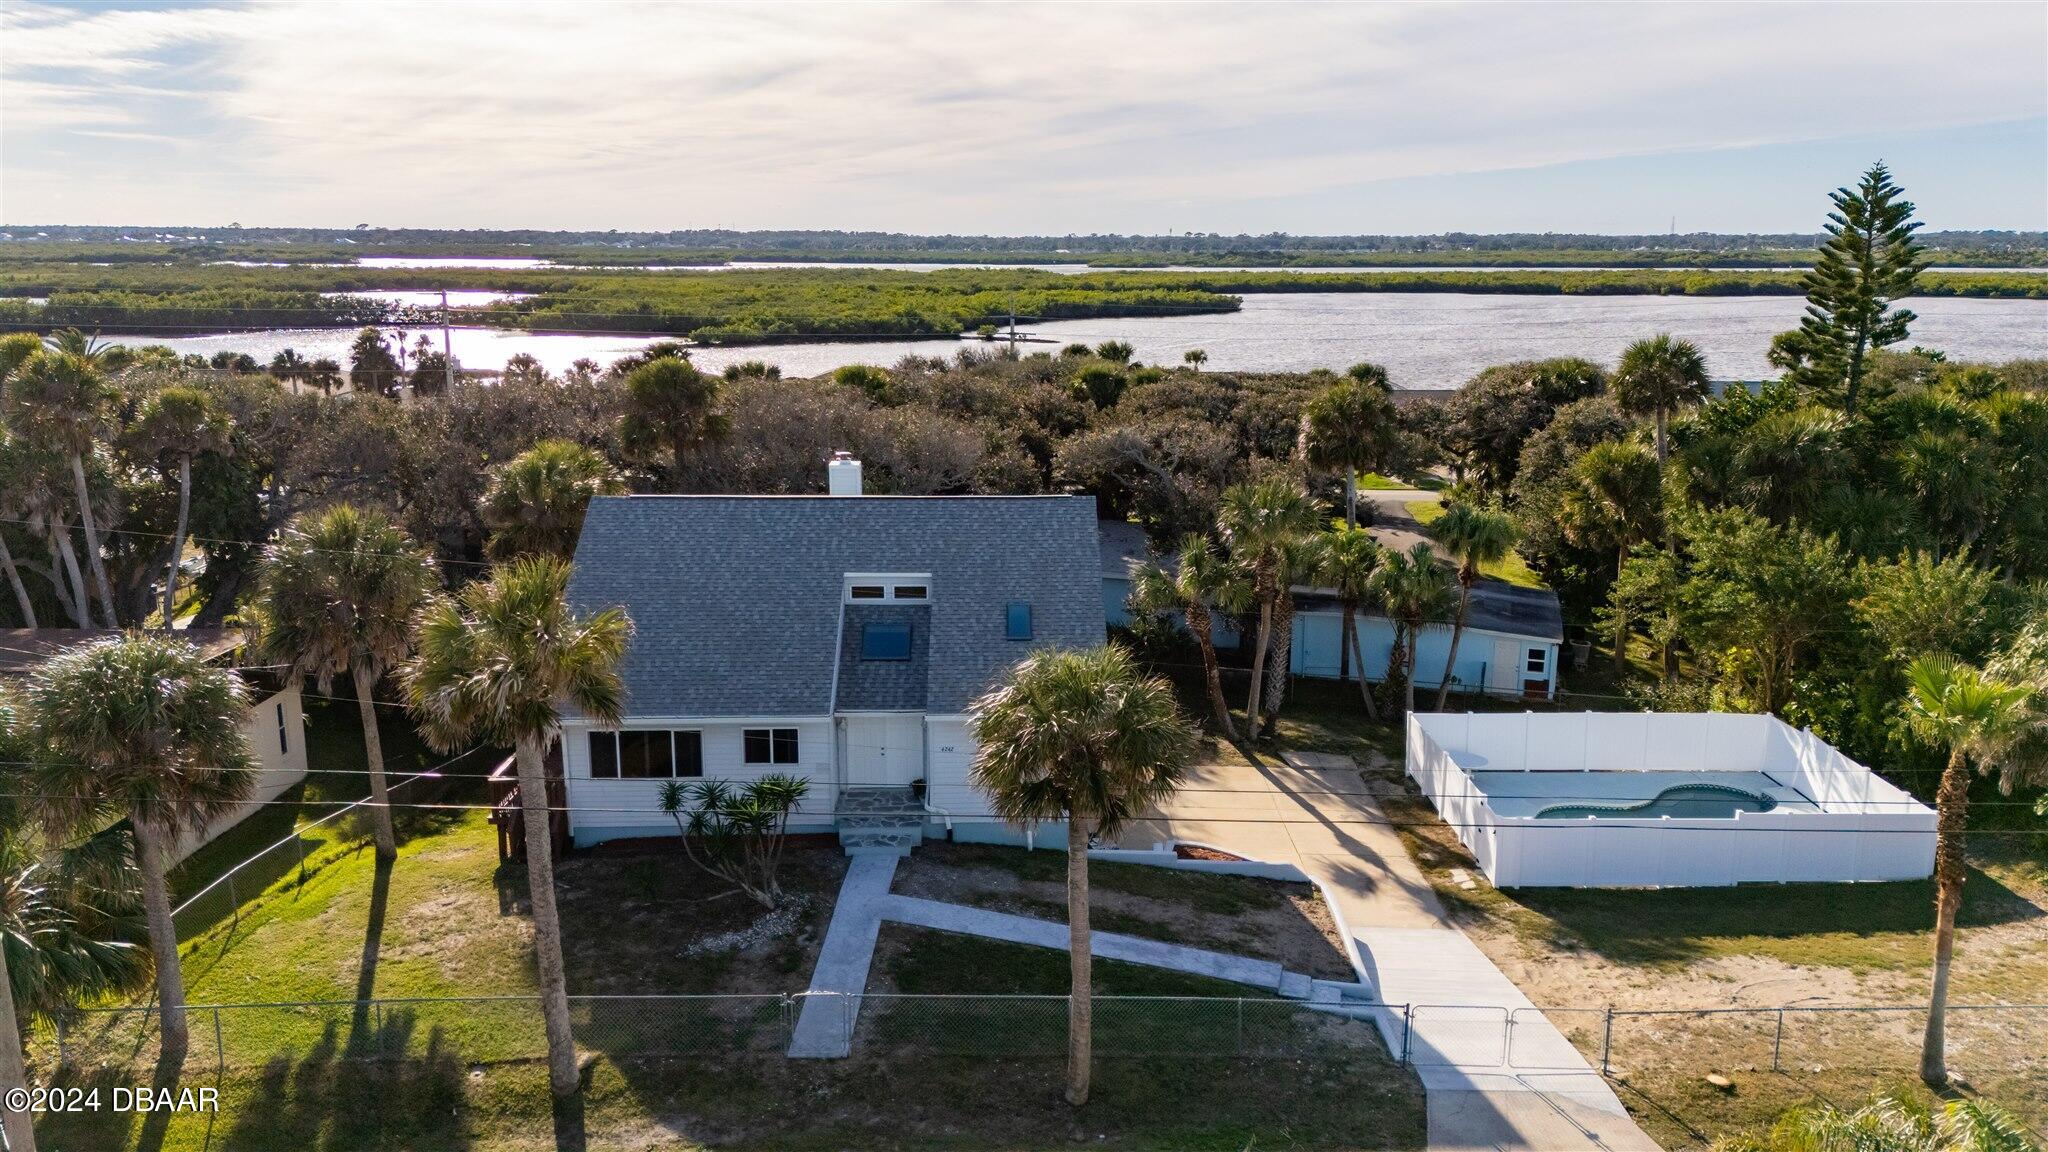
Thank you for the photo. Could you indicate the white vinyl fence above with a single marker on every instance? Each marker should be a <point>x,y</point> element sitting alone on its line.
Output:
<point>1859,827</point>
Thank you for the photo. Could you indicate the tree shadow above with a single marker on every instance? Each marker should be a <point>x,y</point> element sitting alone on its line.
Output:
<point>373,944</point>
<point>1677,924</point>
<point>376,1087</point>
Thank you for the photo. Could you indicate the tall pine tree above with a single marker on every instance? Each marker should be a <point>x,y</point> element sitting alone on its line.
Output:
<point>1868,261</point>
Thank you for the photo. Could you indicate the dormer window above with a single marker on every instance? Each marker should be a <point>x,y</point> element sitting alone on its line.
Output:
<point>885,640</point>
<point>904,587</point>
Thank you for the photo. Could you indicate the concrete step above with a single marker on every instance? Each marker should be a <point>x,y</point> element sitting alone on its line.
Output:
<point>879,842</point>
<point>1295,986</point>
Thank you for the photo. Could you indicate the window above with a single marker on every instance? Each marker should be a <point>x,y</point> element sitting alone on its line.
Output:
<point>910,587</point>
<point>284,746</point>
<point>885,640</point>
<point>604,755</point>
<point>1539,661</point>
<point>1017,621</point>
<point>646,754</point>
<point>771,746</point>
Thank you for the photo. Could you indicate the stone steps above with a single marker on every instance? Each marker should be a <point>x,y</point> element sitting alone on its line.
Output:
<point>880,821</point>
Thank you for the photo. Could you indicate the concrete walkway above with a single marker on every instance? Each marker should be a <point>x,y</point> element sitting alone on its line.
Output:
<point>824,1026</point>
<point>822,1029</point>
<point>1322,822</point>
<point>1262,974</point>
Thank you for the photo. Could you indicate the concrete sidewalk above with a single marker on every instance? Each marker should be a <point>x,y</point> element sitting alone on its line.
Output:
<point>1542,1095</point>
<point>823,1031</point>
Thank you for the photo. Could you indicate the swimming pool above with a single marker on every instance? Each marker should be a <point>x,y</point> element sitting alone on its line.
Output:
<point>1694,801</point>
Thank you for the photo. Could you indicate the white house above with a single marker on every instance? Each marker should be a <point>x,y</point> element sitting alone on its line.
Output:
<point>839,638</point>
<point>275,726</point>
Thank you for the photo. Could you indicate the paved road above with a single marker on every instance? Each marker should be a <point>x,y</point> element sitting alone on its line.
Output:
<point>1312,811</point>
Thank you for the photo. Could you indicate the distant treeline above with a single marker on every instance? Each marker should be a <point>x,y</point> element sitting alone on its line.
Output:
<point>764,306</point>
<point>116,244</point>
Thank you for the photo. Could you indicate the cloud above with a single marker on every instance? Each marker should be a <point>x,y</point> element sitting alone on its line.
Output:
<point>929,117</point>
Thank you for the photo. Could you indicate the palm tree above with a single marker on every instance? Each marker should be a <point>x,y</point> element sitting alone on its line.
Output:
<point>1200,581</point>
<point>1890,1123</point>
<point>671,408</point>
<point>1350,427</point>
<point>494,664</point>
<point>1088,738</point>
<point>324,374</point>
<point>1351,560</point>
<point>61,400</point>
<point>536,500</point>
<point>142,724</point>
<point>17,1124</point>
<point>1657,377</point>
<point>1474,537</point>
<point>336,594</point>
<point>30,478</point>
<point>1416,591</point>
<point>182,422</point>
<point>1300,559</point>
<point>1258,520</point>
<point>1957,707</point>
<point>1194,358</point>
<point>290,367</point>
<point>1614,500</point>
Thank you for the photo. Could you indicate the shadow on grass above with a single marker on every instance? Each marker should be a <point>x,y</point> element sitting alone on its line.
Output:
<point>1679,924</point>
<point>339,1096</point>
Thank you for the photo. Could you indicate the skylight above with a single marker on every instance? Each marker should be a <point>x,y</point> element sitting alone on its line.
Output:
<point>885,640</point>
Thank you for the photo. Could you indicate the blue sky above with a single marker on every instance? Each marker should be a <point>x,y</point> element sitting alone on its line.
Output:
<point>1020,119</point>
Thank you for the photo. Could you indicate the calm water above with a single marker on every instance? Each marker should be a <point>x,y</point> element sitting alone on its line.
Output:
<point>516,262</point>
<point>1426,340</point>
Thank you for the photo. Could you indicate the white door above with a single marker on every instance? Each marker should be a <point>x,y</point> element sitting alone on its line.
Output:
<point>1504,674</point>
<point>884,751</point>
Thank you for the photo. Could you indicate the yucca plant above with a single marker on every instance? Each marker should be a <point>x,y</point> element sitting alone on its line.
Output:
<point>736,833</point>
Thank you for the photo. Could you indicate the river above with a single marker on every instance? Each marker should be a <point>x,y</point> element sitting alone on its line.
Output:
<point>1425,339</point>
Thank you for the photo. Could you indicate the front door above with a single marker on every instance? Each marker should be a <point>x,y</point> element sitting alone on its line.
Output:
<point>884,750</point>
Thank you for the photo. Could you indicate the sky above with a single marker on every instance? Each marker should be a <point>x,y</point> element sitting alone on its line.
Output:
<point>1019,119</point>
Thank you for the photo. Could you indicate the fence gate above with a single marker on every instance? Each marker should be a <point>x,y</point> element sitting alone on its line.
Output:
<point>1474,1035</point>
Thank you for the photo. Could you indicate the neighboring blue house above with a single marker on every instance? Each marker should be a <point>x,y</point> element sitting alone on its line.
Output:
<point>839,638</point>
<point>1510,648</point>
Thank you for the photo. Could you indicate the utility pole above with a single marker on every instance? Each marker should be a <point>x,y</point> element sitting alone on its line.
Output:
<point>1013,325</point>
<point>447,350</point>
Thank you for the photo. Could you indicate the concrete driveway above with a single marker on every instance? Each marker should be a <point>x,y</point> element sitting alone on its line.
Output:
<point>1490,1085</point>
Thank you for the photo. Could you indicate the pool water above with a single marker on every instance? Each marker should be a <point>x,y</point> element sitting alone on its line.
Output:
<point>1693,801</point>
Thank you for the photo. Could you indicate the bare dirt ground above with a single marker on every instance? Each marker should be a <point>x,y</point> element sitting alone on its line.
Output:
<point>1745,952</point>
<point>1287,923</point>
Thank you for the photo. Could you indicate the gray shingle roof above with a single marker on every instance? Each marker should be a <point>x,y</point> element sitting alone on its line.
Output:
<point>735,599</point>
<point>884,685</point>
<point>1496,607</point>
<point>1124,548</point>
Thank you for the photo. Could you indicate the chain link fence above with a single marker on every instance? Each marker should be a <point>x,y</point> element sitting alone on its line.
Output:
<point>285,866</point>
<point>491,1030</point>
<point>2001,1044</point>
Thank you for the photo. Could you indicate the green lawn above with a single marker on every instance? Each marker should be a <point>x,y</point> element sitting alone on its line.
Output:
<point>446,920</point>
<point>1510,568</point>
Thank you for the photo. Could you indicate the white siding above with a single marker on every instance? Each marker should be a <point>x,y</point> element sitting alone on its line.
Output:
<point>276,730</point>
<point>635,804</point>
<point>949,753</point>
